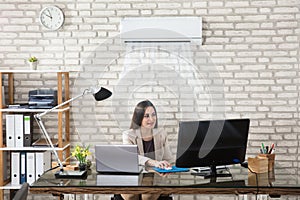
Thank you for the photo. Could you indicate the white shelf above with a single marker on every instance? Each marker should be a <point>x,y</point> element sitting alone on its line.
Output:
<point>23,110</point>
<point>34,148</point>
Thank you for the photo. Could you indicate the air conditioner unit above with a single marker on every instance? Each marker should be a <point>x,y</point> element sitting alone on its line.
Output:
<point>161,29</point>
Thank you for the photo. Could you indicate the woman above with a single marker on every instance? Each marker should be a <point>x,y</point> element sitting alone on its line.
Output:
<point>152,142</point>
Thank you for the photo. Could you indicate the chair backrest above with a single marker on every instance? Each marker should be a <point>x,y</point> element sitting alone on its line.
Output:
<point>22,193</point>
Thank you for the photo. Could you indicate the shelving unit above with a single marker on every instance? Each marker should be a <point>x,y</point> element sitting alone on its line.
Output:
<point>63,126</point>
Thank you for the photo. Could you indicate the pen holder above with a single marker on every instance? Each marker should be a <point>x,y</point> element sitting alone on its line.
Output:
<point>258,164</point>
<point>271,160</point>
<point>271,175</point>
<point>260,179</point>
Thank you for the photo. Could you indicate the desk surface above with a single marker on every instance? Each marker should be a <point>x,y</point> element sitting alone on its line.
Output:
<point>282,181</point>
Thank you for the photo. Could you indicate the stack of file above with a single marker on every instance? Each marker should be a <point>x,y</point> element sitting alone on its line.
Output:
<point>25,166</point>
<point>28,166</point>
<point>19,130</point>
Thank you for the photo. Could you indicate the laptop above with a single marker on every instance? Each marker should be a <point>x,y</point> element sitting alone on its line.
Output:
<point>117,159</point>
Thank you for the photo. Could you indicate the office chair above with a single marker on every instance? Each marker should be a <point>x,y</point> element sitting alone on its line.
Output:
<point>22,193</point>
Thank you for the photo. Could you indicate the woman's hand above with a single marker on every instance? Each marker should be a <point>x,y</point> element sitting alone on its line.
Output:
<point>163,164</point>
<point>160,164</point>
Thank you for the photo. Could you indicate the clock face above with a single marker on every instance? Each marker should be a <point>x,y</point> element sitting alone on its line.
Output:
<point>52,17</point>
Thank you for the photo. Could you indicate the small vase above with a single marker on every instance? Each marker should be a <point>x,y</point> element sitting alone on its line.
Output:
<point>82,166</point>
<point>33,65</point>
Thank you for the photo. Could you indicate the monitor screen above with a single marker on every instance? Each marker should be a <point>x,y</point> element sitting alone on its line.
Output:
<point>212,143</point>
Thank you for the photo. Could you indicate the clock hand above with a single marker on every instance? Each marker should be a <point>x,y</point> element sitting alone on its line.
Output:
<point>48,15</point>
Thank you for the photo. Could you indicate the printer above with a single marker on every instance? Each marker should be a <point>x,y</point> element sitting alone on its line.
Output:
<point>42,99</point>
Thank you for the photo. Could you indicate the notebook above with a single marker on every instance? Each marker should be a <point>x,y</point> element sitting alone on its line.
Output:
<point>117,159</point>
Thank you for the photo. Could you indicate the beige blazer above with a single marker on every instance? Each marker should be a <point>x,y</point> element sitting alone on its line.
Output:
<point>161,146</point>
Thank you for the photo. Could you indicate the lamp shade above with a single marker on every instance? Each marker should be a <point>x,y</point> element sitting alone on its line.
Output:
<point>102,94</point>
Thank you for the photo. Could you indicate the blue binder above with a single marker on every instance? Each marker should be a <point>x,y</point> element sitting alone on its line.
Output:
<point>23,167</point>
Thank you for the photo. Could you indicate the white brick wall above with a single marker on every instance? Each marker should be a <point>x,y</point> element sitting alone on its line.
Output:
<point>254,46</point>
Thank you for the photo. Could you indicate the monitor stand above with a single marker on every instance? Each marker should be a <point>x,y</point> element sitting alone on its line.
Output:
<point>212,174</point>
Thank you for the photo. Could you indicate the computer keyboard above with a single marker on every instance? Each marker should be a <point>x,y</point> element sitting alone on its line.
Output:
<point>205,169</point>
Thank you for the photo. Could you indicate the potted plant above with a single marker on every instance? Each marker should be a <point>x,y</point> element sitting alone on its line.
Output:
<point>33,62</point>
<point>81,153</point>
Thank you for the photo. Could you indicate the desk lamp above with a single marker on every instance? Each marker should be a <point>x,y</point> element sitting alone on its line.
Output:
<point>99,95</point>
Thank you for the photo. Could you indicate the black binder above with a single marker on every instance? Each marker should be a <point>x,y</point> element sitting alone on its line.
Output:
<point>28,130</point>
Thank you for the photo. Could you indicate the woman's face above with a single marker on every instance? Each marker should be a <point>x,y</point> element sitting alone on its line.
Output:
<point>149,119</point>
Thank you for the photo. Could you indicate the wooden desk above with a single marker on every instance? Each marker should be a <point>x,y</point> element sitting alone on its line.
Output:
<point>283,182</point>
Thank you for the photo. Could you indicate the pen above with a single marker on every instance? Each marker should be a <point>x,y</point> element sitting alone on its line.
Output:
<point>272,150</point>
<point>261,151</point>
<point>267,149</point>
<point>263,147</point>
<point>272,147</point>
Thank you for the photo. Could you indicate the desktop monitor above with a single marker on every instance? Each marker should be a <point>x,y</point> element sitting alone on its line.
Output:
<point>212,143</point>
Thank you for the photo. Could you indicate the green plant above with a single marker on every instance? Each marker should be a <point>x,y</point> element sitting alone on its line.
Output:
<point>80,153</point>
<point>32,59</point>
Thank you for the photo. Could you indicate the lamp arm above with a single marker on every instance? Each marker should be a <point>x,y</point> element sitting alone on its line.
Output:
<point>38,118</point>
<point>45,133</point>
<point>60,105</point>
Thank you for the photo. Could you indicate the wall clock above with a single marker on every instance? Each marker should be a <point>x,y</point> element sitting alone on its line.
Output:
<point>52,17</point>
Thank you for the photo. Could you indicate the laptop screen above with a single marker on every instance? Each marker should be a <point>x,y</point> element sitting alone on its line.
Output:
<point>117,159</point>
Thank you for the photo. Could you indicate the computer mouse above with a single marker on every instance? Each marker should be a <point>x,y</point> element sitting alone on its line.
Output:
<point>168,168</point>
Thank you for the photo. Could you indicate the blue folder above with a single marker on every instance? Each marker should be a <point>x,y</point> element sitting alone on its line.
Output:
<point>174,169</point>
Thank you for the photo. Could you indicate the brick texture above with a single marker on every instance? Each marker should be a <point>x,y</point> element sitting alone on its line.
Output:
<point>247,66</point>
